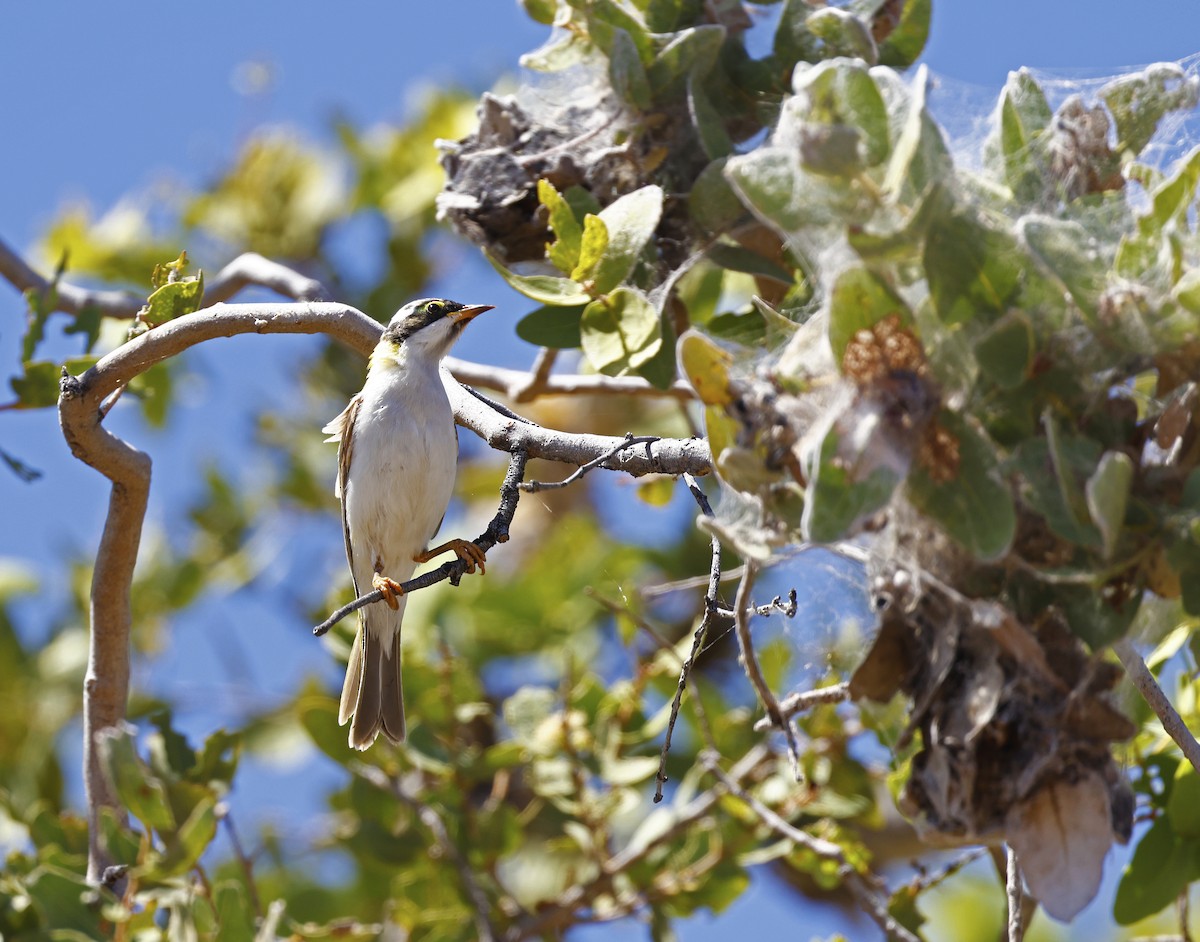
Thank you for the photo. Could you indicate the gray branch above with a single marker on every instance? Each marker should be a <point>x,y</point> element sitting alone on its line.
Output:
<point>1158,701</point>
<point>244,271</point>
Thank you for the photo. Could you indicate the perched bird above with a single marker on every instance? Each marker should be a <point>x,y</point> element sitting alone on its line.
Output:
<point>397,457</point>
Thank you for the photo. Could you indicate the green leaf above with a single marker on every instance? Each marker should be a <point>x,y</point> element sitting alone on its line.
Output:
<point>174,299</point>
<point>860,299</point>
<point>691,49</point>
<point>1172,197</point>
<point>1024,116</point>
<point>1161,867</point>
<point>1062,250</point>
<point>547,289</point>
<point>1051,477</point>
<point>848,483</point>
<point>185,846</point>
<point>40,307</point>
<point>1183,805</point>
<point>975,506</point>
<point>1187,290</point>
<point>712,203</point>
<point>709,125</point>
<point>1107,496</point>
<point>736,258</point>
<point>555,327</point>
<point>971,267</point>
<point>86,322</point>
<point>620,332</point>
<point>843,101</point>
<point>1139,102</point>
<point>626,73</point>
<point>660,370</point>
<point>919,156</point>
<point>140,791</point>
<point>38,386</point>
<point>809,35</point>
<point>563,252</point>
<point>904,44</point>
<point>540,11</point>
<point>629,222</point>
<point>1005,351</point>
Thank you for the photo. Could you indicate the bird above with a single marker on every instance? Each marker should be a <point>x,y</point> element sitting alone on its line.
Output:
<point>397,459</point>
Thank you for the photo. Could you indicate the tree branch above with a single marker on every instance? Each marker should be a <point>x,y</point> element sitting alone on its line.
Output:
<point>698,639</point>
<point>515,384</point>
<point>628,442</point>
<point>1158,701</point>
<point>741,622</point>
<point>803,700</point>
<point>244,271</point>
<point>1012,885</point>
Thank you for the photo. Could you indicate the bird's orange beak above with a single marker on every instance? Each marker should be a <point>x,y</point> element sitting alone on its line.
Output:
<point>470,312</point>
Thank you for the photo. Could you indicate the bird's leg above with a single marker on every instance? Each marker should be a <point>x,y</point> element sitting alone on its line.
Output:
<point>391,589</point>
<point>465,550</point>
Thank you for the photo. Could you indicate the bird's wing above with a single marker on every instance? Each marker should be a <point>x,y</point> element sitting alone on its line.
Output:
<point>341,430</point>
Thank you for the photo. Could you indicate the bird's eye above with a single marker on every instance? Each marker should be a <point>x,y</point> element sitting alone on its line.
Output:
<point>436,307</point>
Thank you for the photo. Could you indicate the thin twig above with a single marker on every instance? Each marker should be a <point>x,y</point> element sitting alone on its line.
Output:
<point>245,862</point>
<point>1157,700</point>
<point>706,619</point>
<point>1016,928</point>
<point>927,881</point>
<point>248,269</point>
<point>684,585</point>
<point>741,609</point>
<point>514,383</point>
<point>803,700</point>
<point>429,817</point>
<point>630,440</point>
<point>874,904</point>
<point>496,532</point>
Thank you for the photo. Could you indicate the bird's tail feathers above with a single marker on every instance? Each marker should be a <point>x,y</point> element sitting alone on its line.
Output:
<point>373,692</point>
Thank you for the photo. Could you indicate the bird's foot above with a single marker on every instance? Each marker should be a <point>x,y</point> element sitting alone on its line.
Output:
<point>391,589</point>
<point>465,550</point>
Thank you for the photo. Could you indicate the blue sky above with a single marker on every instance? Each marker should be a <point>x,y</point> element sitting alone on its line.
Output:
<point>106,99</point>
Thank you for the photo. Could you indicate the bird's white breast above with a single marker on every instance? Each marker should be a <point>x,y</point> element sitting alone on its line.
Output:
<point>402,469</point>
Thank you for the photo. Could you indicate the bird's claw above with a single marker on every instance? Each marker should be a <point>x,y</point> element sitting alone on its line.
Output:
<point>391,589</point>
<point>470,553</point>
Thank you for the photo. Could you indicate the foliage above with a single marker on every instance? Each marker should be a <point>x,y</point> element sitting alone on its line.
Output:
<point>988,376</point>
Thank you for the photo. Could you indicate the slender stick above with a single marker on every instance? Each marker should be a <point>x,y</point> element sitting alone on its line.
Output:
<point>630,440</point>
<point>706,620</point>
<point>742,611</point>
<point>803,700</point>
<point>1157,700</point>
<point>1016,929</point>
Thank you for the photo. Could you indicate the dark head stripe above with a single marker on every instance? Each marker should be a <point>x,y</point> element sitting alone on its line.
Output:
<point>421,317</point>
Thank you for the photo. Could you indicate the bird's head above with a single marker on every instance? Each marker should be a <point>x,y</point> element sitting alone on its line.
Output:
<point>427,328</point>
